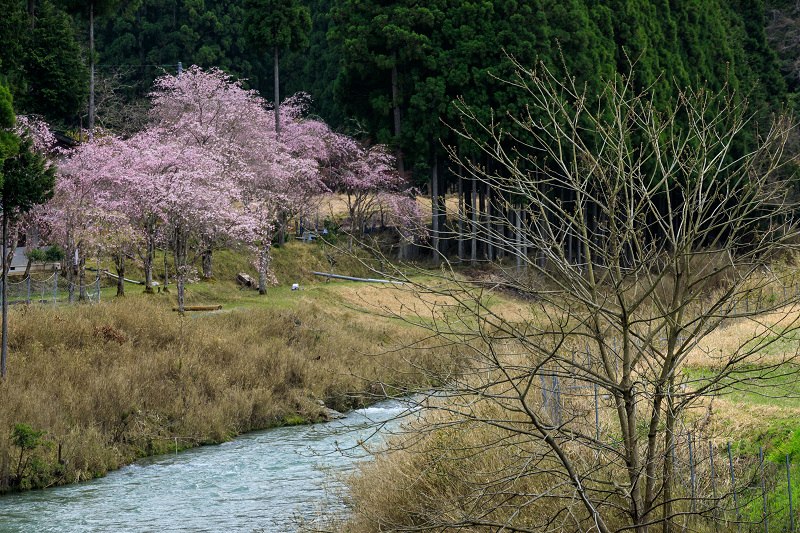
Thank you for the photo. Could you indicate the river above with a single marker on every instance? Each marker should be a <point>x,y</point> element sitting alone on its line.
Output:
<point>257,481</point>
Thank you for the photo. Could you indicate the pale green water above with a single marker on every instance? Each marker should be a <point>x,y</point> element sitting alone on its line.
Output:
<point>255,481</point>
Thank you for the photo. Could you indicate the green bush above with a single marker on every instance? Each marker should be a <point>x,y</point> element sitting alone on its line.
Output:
<point>53,254</point>
<point>32,471</point>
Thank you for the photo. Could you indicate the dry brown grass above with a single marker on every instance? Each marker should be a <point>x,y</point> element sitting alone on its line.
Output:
<point>450,202</point>
<point>438,480</point>
<point>335,205</point>
<point>716,348</point>
<point>445,474</point>
<point>118,380</point>
<point>731,419</point>
<point>394,300</point>
<point>408,301</point>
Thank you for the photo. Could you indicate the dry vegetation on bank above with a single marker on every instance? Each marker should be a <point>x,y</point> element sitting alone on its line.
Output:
<point>127,378</point>
<point>451,470</point>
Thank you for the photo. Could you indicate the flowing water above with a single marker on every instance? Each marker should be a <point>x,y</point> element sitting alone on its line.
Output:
<point>257,481</point>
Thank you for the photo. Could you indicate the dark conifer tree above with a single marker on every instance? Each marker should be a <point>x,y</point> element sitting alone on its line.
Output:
<point>275,25</point>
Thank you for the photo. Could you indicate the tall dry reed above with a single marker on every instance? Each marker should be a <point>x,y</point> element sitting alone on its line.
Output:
<point>115,381</point>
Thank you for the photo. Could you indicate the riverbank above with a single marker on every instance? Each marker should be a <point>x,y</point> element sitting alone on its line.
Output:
<point>92,388</point>
<point>261,481</point>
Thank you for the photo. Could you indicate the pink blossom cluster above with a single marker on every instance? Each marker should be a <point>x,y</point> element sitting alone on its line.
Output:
<point>210,171</point>
<point>38,131</point>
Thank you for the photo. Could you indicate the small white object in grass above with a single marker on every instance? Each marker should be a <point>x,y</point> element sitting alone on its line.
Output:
<point>295,286</point>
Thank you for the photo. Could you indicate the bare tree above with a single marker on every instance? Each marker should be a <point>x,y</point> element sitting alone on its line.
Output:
<point>635,234</point>
<point>113,111</point>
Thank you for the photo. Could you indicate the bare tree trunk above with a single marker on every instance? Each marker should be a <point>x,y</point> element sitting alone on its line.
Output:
<point>13,239</point>
<point>181,295</point>
<point>70,261</point>
<point>489,225</point>
<point>32,13</point>
<point>208,263</point>
<point>473,207</point>
<point>148,260</point>
<point>669,446</point>
<point>435,210</point>
<point>263,268</point>
<point>166,273</point>
<point>277,98</point>
<point>91,69</point>
<point>501,224</point>
<point>461,212</point>
<point>396,105</point>
<point>4,297</point>
<point>82,278</point>
<point>4,293</point>
<point>120,274</point>
<point>180,254</point>
<point>520,253</point>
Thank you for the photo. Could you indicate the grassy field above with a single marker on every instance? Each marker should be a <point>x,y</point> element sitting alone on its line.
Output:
<point>91,387</point>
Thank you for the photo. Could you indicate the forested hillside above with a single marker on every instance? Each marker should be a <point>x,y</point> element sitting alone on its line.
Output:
<point>396,67</point>
<point>444,50</point>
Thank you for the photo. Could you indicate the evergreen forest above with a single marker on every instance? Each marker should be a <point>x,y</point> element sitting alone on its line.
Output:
<point>625,170</point>
<point>364,59</point>
<point>390,72</point>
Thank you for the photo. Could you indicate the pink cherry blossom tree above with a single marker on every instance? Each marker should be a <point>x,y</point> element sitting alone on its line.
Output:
<point>147,163</point>
<point>179,193</point>
<point>210,171</point>
<point>120,240</point>
<point>43,141</point>
<point>209,111</point>
<point>276,185</point>
<point>304,147</point>
<point>200,202</point>
<point>366,175</point>
<point>80,201</point>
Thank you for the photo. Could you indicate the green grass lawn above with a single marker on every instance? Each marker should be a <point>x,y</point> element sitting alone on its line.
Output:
<point>778,387</point>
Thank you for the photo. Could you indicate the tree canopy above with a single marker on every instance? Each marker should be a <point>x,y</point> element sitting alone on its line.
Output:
<point>45,66</point>
<point>276,23</point>
<point>452,49</point>
<point>8,141</point>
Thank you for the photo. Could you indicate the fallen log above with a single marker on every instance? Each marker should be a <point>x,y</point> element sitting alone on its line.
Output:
<point>199,308</point>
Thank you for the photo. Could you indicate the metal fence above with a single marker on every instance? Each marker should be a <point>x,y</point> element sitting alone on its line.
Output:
<point>736,489</point>
<point>52,291</point>
<point>717,483</point>
<point>752,494</point>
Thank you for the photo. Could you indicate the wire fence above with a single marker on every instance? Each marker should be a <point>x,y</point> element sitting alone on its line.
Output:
<point>752,494</point>
<point>722,486</point>
<point>52,291</point>
<point>555,381</point>
<point>718,482</point>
